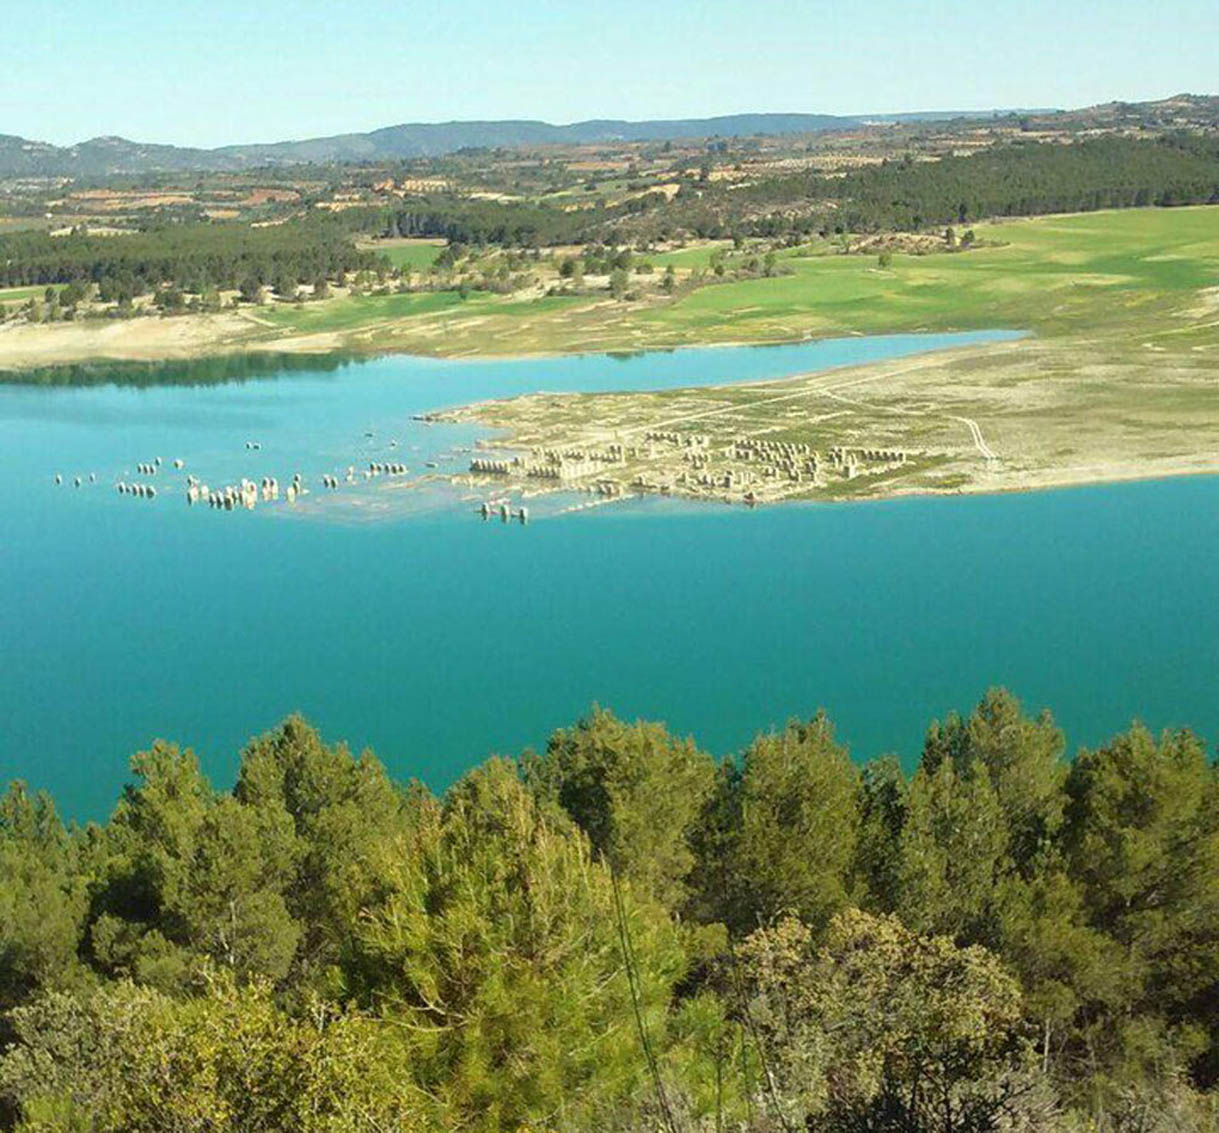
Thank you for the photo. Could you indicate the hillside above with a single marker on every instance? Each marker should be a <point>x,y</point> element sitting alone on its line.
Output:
<point>103,156</point>
<point>20,157</point>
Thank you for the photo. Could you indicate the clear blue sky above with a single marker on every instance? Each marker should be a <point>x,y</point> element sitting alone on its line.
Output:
<point>208,73</point>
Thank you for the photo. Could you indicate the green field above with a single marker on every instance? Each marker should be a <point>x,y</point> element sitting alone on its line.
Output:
<point>1049,275</point>
<point>21,294</point>
<point>695,256</point>
<point>418,255</point>
<point>354,312</point>
<point>1052,275</point>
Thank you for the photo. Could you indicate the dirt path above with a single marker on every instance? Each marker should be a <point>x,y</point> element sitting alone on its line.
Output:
<point>253,318</point>
<point>831,389</point>
<point>804,391</point>
<point>976,433</point>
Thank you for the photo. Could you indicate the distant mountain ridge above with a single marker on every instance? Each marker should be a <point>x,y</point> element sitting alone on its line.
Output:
<point>420,139</point>
<point>100,156</point>
<point>97,157</point>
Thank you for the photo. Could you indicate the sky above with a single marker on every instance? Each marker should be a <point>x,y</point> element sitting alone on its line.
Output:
<point>221,71</point>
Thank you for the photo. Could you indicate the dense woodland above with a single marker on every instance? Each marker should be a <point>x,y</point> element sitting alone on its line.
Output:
<point>194,258</point>
<point>1011,179</point>
<point>1014,179</point>
<point>621,933</point>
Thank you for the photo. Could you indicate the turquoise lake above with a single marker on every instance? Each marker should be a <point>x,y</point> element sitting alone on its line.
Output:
<point>394,618</point>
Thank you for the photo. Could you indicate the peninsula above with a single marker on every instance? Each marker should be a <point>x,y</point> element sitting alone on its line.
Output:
<point>1116,379</point>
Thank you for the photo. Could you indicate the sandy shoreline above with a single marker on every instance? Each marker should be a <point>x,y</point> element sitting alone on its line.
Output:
<point>159,338</point>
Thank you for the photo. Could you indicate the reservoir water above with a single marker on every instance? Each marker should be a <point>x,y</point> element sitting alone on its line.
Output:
<point>394,619</point>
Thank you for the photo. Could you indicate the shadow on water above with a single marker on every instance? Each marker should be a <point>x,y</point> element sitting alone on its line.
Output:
<point>249,366</point>
<point>218,369</point>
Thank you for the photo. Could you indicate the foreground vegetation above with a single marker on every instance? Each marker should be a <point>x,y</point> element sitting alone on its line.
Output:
<point>618,933</point>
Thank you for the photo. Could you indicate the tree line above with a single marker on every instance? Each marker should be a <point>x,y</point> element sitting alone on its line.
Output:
<point>620,932</point>
<point>1030,179</point>
<point>207,370</point>
<point>194,258</point>
<point>1021,178</point>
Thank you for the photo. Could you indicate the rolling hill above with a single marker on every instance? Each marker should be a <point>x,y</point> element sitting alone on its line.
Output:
<point>103,156</point>
<point>20,157</point>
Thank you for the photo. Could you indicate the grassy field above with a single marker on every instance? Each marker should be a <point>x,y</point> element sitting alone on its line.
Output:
<point>1052,275</point>
<point>1047,275</point>
<point>696,256</point>
<point>418,255</point>
<point>353,312</point>
<point>21,294</point>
